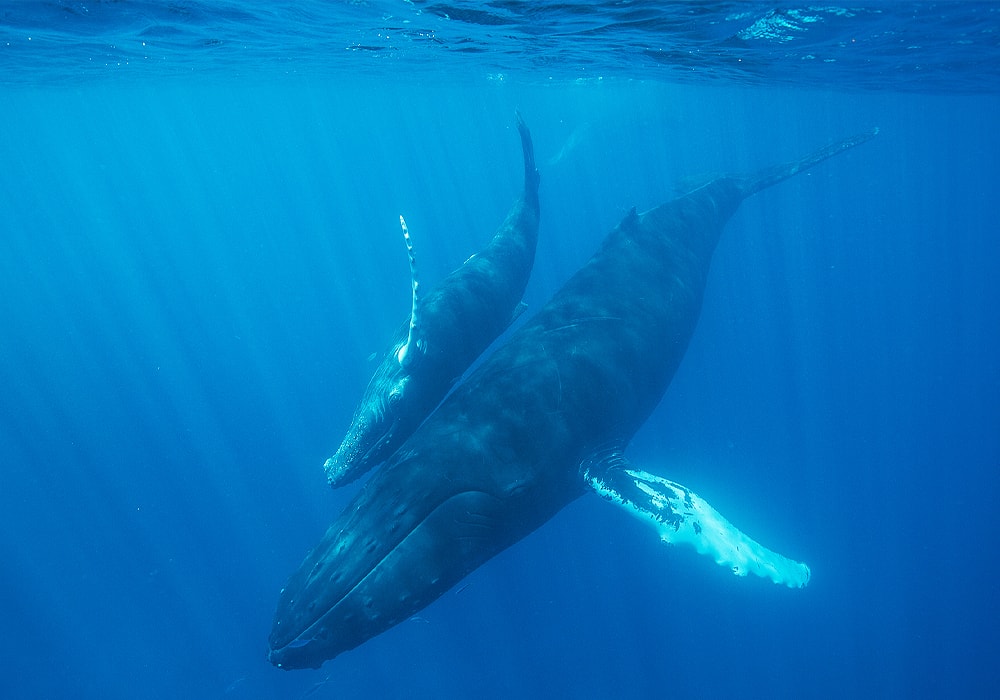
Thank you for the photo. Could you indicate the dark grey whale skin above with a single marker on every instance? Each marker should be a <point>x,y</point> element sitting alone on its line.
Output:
<point>504,452</point>
<point>459,319</point>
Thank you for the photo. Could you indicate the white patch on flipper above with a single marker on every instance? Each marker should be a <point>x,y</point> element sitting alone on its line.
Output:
<point>681,516</point>
<point>405,348</point>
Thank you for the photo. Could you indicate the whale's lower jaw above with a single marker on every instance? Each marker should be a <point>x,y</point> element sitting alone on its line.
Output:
<point>455,538</point>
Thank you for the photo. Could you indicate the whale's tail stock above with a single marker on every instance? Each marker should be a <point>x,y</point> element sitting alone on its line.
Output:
<point>751,184</point>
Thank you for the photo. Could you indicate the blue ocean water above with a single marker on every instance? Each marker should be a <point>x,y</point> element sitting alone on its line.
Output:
<point>200,252</point>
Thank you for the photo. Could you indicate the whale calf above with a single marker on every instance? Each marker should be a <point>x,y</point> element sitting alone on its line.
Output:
<point>445,333</point>
<point>540,422</point>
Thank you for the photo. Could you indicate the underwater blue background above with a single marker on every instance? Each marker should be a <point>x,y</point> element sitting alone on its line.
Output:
<point>194,271</point>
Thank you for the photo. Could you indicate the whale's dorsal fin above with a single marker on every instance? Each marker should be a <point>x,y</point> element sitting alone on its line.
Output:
<point>407,352</point>
<point>631,221</point>
<point>681,516</point>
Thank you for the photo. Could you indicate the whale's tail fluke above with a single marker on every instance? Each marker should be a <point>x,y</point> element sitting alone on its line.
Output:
<point>751,184</point>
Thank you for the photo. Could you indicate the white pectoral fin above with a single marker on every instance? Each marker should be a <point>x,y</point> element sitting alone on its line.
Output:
<point>681,516</point>
<point>405,355</point>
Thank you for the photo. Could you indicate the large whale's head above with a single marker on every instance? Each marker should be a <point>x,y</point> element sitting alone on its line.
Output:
<point>424,521</point>
<point>364,578</point>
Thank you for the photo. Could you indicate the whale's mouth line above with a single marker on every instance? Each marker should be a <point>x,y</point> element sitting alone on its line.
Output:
<point>354,458</point>
<point>310,634</point>
<point>366,456</point>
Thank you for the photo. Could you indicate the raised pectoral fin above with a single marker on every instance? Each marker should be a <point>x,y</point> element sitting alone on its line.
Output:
<point>406,355</point>
<point>681,516</point>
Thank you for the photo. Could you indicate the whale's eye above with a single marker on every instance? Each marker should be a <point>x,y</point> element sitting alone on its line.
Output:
<point>395,396</point>
<point>396,393</point>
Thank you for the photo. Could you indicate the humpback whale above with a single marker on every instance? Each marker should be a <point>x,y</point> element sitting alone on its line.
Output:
<point>543,420</point>
<point>446,331</point>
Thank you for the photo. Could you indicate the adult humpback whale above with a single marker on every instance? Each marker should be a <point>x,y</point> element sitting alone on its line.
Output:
<point>446,331</point>
<point>540,421</point>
